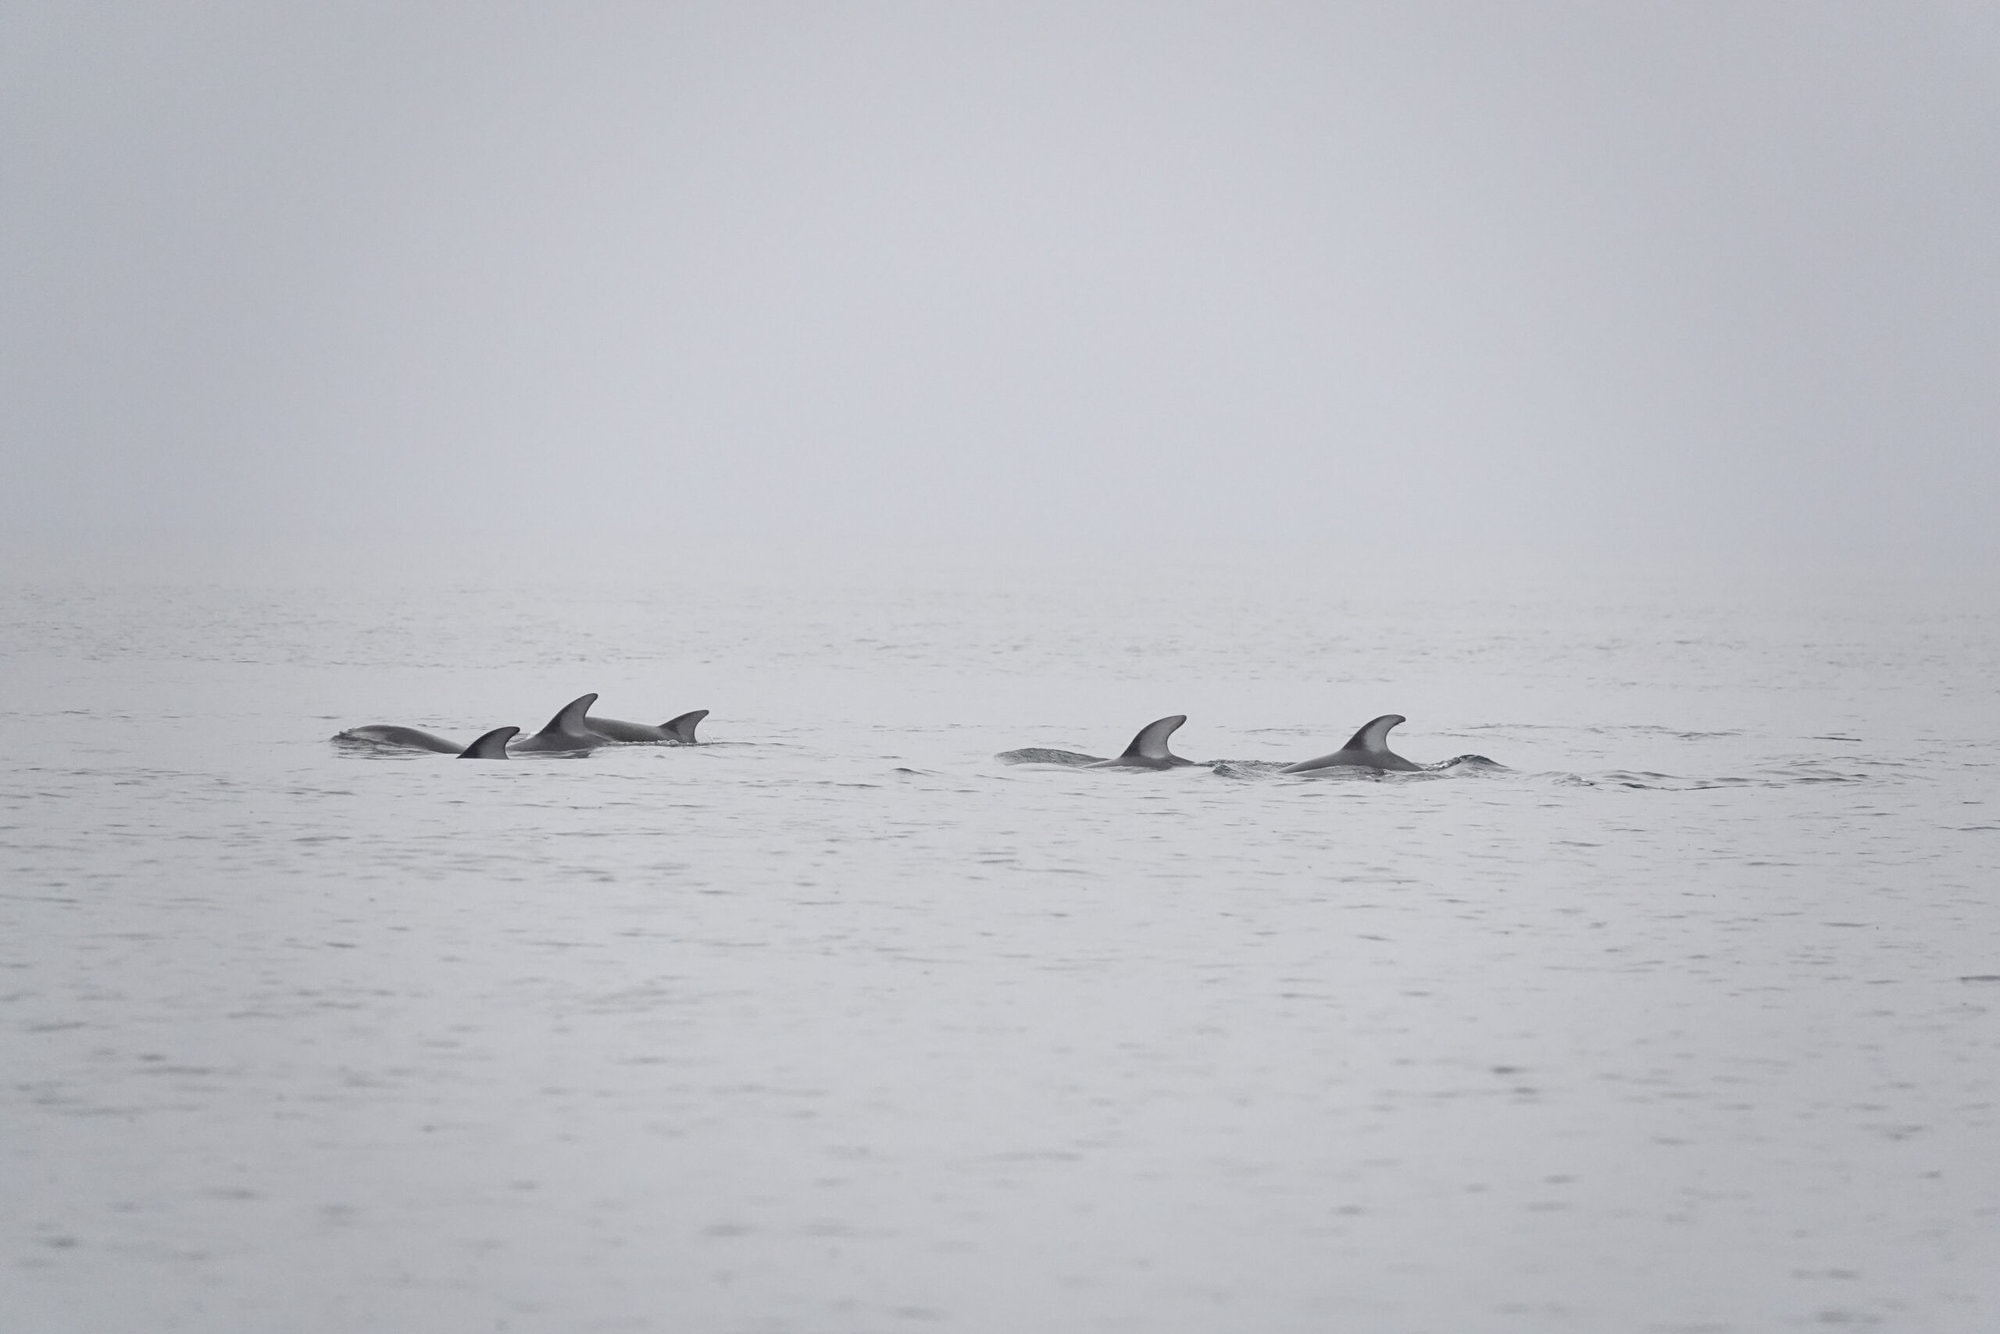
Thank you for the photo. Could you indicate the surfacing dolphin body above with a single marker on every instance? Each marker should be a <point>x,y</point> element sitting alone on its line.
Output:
<point>1366,749</point>
<point>1147,751</point>
<point>565,731</point>
<point>678,730</point>
<point>406,738</point>
<point>491,746</point>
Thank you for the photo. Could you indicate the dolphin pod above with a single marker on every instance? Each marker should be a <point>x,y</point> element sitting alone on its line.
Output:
<point>1368,748</point>
<point>571,731</point>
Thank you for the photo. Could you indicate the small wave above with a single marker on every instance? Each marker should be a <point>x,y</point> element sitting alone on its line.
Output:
<point>369,747</point>
<point>1043,755</point>
<point>1454,767</point>
<point>1477,764</point>
<point>1780,776</point>
<point>1811,771</point>
<point>1245,768</point>
<point>1343,773</point>
<point>1645,781</point>
<point>1511,727</point>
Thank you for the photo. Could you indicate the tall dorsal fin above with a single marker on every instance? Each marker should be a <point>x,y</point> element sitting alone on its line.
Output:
<point>569,718</point>
<point>682,728</point>
<point>1374,734</point>
<point>1151,743</point>
<point>492,746</point>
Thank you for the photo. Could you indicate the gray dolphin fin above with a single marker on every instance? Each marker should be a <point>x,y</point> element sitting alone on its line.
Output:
<point>569,718</point>
<point>682,728</point>
<point>1374,734</point>
<point>1151,743</point>
<point>492,746</point>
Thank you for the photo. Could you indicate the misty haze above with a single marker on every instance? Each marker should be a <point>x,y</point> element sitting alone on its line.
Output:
<point>906,511</point>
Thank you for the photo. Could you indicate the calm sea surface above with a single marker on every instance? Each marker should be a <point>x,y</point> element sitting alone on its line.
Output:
<point>1688,1019</point>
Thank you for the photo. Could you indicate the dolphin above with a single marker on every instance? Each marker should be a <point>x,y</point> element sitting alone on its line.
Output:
<point>1147,751</point>
<point>491,746</point>
<point>565,731</point>
<point>407,738</point>
<point>679,730</point>
<point>1366,749</point>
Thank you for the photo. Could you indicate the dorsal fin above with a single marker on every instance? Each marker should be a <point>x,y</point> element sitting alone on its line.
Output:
<point>1151,743</point>
<point>492,746</point>
<point>1374,734</point>
<point>569,718</point>
<point>682,728</point>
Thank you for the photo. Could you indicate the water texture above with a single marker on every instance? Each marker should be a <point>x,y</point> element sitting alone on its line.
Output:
<point>1680,1017</point>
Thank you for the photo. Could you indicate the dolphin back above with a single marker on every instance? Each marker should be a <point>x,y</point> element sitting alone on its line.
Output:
<point>617,729</point>
<point>677,730</point>
<point>682,728</point>
<point>1373,736</point>
<point>492,746</point>
<point>569,718</point>
<point>385,734</point>
<point>1150,746</point>
<point>1368,748</point>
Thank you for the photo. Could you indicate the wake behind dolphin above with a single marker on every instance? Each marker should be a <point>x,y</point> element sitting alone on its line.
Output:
<point>1147,751</point>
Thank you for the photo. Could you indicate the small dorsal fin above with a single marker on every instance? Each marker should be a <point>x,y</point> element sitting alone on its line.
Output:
<point>492,746</point>
<point>1151,743</point>
<point>569,718</point>
<point>682,728</point>
<point>1373,736</point>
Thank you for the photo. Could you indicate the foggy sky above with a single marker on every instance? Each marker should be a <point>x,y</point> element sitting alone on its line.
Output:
<point>1576,277</point>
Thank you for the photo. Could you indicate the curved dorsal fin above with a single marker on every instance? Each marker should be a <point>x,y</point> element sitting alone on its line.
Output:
<point>492,746</point>
<point>569,718</point>
<point>682,728</point>
<point>1374,734</point>
<point>1151,743</point>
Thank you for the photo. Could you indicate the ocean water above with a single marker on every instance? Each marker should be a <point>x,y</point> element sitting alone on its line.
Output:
<point>1686,1018</point>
